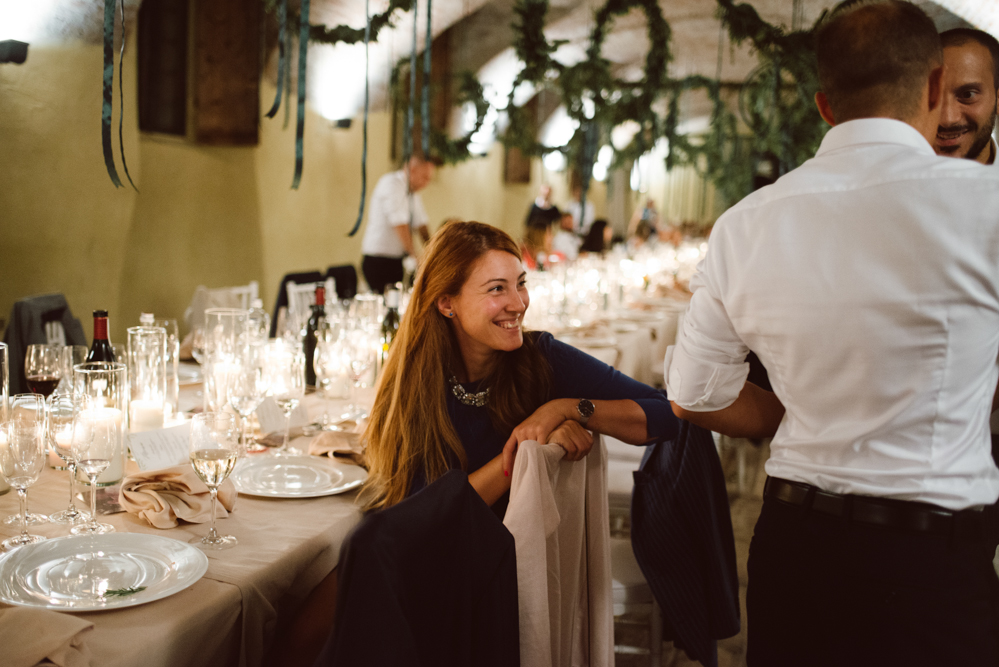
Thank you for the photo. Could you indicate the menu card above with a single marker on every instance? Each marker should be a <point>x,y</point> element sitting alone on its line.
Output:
<point>162,448</point>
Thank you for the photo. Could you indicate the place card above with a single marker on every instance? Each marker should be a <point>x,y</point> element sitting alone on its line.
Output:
<point>162,448</point>
<point>271,417</point>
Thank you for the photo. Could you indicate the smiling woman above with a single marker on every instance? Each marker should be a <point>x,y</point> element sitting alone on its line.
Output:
<point>464,383</point>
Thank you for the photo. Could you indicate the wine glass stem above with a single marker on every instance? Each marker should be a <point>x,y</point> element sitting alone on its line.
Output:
<point>72,486</point>
<point>243,420</point>
<point>212,534</point>
<point>287,429</point>
<point>93,502</point>
<point>22,497</point>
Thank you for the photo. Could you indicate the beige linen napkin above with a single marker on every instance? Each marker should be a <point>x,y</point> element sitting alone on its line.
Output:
<point>345,443</point>
<point>32,637</point>
<point>161,497</point>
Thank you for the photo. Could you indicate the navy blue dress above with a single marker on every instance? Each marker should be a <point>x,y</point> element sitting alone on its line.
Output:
<point>575,374</point>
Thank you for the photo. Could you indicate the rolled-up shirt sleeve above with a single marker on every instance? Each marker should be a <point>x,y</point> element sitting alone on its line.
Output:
<point>707,368</point>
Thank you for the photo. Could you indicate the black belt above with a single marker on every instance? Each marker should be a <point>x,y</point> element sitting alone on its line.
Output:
<point>908,516</point>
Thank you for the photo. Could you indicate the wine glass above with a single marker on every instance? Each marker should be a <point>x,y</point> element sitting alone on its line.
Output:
<point>329,366</point>
<point>246,390</point>
<point>214,449</point>
<point>69,356</point>
<point>286,384</point>
<point>63,411</point>
<point>22,455</point>
<point>198,344</point>
<point>42,368</point>
<point>359,356</point>
<point>93,445</point>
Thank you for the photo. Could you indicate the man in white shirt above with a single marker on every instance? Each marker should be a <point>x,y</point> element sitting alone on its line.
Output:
<point>970,95</point>
<point>867,282</point>
<point>396,210</point>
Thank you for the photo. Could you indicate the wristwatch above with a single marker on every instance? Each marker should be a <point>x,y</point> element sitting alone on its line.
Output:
<point>585,409</point>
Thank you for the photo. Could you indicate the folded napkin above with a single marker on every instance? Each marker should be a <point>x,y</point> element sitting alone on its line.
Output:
<point>344,443</point>
<point>161,497</point>
<point>32,637</point>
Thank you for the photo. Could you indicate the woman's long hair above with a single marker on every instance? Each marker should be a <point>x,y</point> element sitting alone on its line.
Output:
<point>409,428</point>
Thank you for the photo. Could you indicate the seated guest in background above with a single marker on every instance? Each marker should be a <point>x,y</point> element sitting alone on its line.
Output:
<point>464,383</point>
<point>543,213</point>
<point>396,212</point>
<point>598,238</point>
<point>581,221</point>
<point>565,242</point>
<point>970,98</point>
<point>872,547</point>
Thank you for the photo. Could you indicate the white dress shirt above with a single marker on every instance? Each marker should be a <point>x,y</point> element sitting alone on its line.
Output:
<point>392,206</point>
<point>867,281</point>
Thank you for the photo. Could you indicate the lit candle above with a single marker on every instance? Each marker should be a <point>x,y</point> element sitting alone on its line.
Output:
<point>145,415</point>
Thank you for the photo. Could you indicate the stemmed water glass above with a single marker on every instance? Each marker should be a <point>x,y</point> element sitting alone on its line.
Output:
<point>285,378</point>
<point>329,365</point>
<point>359,356</point>
<point>93,445</point>
<point>42,368</point>
<point>246,391</point>
<point>214,449</point>
<point>63,412</point>
<point>22,455</point>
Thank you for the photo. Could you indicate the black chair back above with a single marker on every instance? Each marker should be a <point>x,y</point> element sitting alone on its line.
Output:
<point>345,277</point>
<point>28,318</point>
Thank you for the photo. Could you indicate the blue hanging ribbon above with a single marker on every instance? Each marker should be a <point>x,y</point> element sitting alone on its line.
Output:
<point>108,91</point>
<point>407,137</point>
<point>425,103</point>
<point>282,54</point>
<point>364,149</point>
<point>287,80</point>
<point>121,94</point>
<point>303,50</point>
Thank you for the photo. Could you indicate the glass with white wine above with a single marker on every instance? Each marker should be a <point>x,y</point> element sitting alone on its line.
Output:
<point>214,449</point>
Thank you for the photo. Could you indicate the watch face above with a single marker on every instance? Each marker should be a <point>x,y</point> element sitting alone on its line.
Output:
<point>585,408</point>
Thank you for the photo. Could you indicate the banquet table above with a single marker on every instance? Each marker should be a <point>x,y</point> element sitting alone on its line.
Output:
<point>228,617</point>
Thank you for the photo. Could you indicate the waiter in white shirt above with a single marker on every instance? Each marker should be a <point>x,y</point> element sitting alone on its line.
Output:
<point>396,211</point>
<point>970,95</point>
<point>867,281</point>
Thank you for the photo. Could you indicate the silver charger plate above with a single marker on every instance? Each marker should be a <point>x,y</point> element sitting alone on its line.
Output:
<point>296,476</point>
<point>97,572</point>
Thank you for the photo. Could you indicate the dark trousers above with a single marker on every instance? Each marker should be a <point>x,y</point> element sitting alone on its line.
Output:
<point>827,591</point>
<point>381,271</point>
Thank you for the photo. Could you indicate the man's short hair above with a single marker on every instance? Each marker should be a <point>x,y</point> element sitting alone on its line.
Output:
<point>961,36</point>
<point>875,57</point>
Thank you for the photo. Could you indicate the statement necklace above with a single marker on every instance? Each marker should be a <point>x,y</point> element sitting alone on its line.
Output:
<point>477,399</point>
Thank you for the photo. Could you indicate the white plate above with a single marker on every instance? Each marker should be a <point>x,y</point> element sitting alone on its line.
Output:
<point>76,573</point>
<point>296,476</point>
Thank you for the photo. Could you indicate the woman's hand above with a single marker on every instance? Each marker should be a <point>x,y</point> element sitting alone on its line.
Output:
<point>573,438</point>
<point>539,426</point>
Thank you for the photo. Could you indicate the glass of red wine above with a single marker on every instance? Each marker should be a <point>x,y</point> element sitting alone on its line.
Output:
<point>42,368</point>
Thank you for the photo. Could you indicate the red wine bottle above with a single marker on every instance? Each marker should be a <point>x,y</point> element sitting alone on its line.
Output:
<point>101,349</point>
<point>311,335</point>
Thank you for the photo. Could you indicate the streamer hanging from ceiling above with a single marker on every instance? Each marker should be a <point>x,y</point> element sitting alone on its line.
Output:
<point>108,102</point>
<point>364,149</point>
<point>303,51</point>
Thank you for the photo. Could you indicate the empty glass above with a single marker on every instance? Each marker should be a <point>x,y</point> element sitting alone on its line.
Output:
<point>22,455</point>
<point>63,410</point>
<point>69,356</point>
<point>284,368</point>
<point>214,450</point>
<point>93,445</point>
<point>247,389</point>
<point>359,349</point>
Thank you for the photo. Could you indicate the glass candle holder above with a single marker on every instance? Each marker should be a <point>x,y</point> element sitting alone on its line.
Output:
<point>147,355</point>
<point>227,339</point>
<point>172,366</point>
<point>106,391</point>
